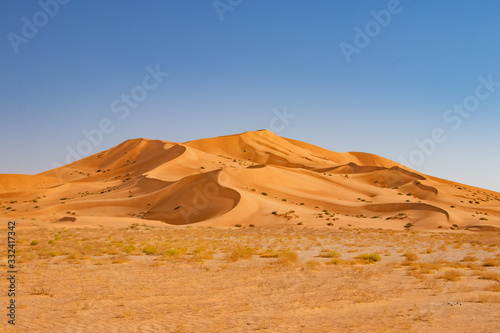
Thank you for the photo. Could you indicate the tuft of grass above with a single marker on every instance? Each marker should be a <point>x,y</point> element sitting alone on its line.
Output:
<point>336,261</point>
<point>452,275</point>
<point>329,254</point>
<point>411,256</point>
<point>312,265</point>
<point>469,259</point>
<point>174,252</point>
<point>41,291</point>
<point>492,276</point>
<point>493,287</point>
<point>129,248</point>
<point>201,254</point>
<point>269,254</point>
<point>369,258</point>
<point>150,250</point>
<point>119,260</point>
<point>287,257</point>
<point>34,242</point>
<point>491,262</point>
<point>240,252</point>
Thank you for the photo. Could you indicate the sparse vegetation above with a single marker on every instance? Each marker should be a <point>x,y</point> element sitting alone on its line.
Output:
<point>150,250</point>
<point>372,257</point>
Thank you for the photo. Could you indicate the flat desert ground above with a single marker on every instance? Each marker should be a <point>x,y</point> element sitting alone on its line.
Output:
<point>147,278</point>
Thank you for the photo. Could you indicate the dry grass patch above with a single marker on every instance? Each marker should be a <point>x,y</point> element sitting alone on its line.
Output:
<point>469,258</point>
<point>452,275</point>
<point>269,254</point>
<point>369,258</point>
<point>150,250</point>
<point>493,287</point>
<point>201,254</point>
<point>312,265</point>
<point>329,254</point>
<point>411,256</point>
<point>491,262</point>
<point>287,257</point>
<point>120,260</point>
<point>338,261</point>
<point>239,252</point>
<point>489,276</point>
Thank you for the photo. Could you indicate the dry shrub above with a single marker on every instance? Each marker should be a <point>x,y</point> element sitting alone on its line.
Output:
<point>489,276</point>
<point>202,254</point>
<point>432,283</point>
<point>369,258</point>
<point>493,287</point>
<point>119,260</point>
<point>269,254</point>
<point>150,250</point>
<point>312,265</point>
<point>329,254</point>
<point>411,256</point>
<point>491,262</point>
<point>172,254</point>
<point>41,290</point>
<point>469,258</point>
<point>486,297</point>
<point>239,252</point>
<point>452,275</point>
<point>337,261</point>
<point>74,256</point>
<point>287,257</point>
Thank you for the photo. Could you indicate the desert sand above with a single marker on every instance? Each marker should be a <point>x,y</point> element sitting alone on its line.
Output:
<point>249,232</point>
<point>255,178</point>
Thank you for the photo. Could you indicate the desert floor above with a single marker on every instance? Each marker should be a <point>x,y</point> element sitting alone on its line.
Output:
<point>146,278</point>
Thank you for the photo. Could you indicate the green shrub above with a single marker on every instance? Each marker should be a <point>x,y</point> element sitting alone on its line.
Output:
<point>372,257</point>
<point>129,248</point>
<point>174,252</point>
<point>149,250</point>
<point>34,242</point>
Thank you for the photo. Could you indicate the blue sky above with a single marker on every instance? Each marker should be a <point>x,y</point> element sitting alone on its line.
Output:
<point>67,68</point>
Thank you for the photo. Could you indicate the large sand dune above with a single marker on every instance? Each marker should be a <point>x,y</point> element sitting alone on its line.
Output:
<point>254,178</point>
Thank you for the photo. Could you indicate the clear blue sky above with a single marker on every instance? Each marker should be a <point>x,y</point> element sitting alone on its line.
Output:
<point>232,68</point>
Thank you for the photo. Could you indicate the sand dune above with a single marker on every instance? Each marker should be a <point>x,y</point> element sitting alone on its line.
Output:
<point>254,178</point>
